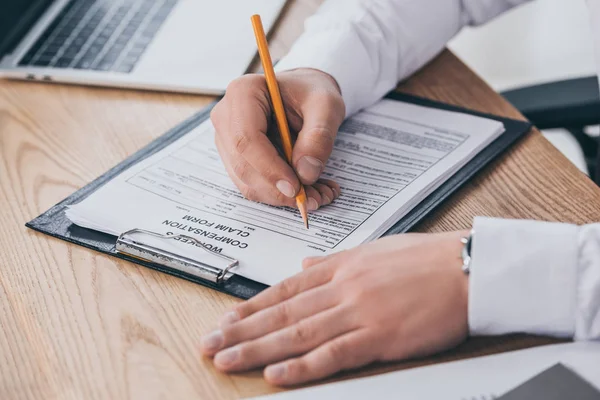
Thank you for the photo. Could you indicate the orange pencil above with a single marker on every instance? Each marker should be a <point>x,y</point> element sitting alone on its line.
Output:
<point>282,124</point>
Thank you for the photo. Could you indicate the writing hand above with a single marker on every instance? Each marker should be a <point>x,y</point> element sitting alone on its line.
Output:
<point>243,121</point>
<point>397,298</point>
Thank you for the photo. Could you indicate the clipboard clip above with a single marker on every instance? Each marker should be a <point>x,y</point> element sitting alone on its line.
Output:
<point>131,247</point>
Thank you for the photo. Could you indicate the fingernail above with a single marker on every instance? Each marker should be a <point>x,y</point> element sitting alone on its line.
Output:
<point>335,193</point>
<point>227,357</point>
<point>230,318</point>
<point>326,200</point>
<point>286,188</point>
<point>312,204</point>
<point>309,168</point>
<point>275,372</point>
<point>213,341</point>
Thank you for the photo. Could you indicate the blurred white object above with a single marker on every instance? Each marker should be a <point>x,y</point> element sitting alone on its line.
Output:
<point>478,378</point>
<point>567,144</point>
<point>544,41</point>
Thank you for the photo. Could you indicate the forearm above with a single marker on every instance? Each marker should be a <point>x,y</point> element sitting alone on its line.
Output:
<point>370,45</point>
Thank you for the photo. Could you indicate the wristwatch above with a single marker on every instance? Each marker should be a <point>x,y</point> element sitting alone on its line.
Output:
<point>466,252</point>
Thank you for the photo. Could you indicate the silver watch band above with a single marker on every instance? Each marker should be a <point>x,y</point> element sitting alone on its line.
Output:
<point>466,252</point>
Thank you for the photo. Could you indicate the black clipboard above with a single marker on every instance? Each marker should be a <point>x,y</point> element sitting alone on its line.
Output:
<point>55,223</point>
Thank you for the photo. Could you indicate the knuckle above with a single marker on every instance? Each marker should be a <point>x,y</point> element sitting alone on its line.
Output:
<point>320,137</point>
<point>353,292</point>
<point>229,334</point>
<point>301,333</point>
<point>241,142</point>
<point>249,193</point>
<point>360,298</point>
<point>214,114</point>
<point>243,309</point>
<point>328,99</point>
<point>345,262</point>
<point>219,147</point>
<point>353,289</point>
<point>246,308</point>
<point>336,351</point>
<point>240,169</point>
<point>322,96</point>
<point>286,289</point>
<point>336,103</point>
<point>237,85</point>
<point>282,314</point>
<point>281,199</point>
<point>247,353</point>
<point>297,368</point>
<point>315,194</point>
<point>362,258</point>
<point>244,83</point>
<point>270,169</point>
<point>216,117</point>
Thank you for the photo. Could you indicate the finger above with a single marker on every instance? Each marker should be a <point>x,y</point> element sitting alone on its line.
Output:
<point>284,290</point>
<point>250,183</point>
<point>326,193</point>
<point>322,115</point>
<point>329,259</point>
<point>334,186</point>
<point>288,342</point>
<point>314,198</point>
<point>270,319</point>
<point>311,261</point>
<point>246,136</point>
<point>351,350</point>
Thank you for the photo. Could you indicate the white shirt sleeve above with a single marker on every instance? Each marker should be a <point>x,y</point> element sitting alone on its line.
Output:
<point>535,277</point>
<point>370,45</point>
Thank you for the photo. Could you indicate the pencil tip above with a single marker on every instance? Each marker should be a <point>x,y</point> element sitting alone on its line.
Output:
<point>304,212</point>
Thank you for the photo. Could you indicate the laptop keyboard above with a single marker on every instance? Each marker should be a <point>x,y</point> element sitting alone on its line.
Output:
<point>101,35</point>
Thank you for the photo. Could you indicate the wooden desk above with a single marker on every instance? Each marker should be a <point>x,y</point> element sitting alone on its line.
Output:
<point>75,324</point>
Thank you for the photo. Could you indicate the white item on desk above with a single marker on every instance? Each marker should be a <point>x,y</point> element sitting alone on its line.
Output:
<point>478,378</point>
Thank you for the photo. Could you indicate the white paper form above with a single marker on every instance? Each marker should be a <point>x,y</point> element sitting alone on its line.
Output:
<point>386,160</point>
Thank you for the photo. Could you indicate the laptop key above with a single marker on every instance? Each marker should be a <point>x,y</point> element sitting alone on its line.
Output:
<point>42,62</point>
<point>104,65</point>
<point>27,58</point>
<point>128,62</point>
<point>83,64</point>
<point>62,63</point>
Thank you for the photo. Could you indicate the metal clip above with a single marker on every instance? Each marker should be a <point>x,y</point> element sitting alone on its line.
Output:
<point>135,248</point>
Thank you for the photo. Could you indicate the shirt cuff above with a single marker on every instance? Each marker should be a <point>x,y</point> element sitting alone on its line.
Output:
<point>523,278</point>
<point>332,51</point>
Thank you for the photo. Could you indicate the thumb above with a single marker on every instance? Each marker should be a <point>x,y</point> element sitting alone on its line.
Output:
<point>322,115</point>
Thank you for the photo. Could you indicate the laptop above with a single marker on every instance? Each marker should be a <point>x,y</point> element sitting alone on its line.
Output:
<point>195,46</point>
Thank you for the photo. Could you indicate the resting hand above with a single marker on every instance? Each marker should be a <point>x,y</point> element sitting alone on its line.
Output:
<point>397,298</point>
<point>245,129</point>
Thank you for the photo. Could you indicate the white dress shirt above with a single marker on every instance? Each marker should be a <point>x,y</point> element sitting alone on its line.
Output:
<point>526,276</point>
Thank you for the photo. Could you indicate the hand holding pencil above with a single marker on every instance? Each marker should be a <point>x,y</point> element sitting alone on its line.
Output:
<point>277,103</point>
<point>244,125</point>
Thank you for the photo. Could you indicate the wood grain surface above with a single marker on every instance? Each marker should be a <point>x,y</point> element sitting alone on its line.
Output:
<point>75,324</point>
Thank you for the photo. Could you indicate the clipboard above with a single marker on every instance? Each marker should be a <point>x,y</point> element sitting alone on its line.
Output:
<point>222,277</point>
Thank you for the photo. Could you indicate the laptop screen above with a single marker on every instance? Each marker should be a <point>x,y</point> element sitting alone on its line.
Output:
<point>16,18</point>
